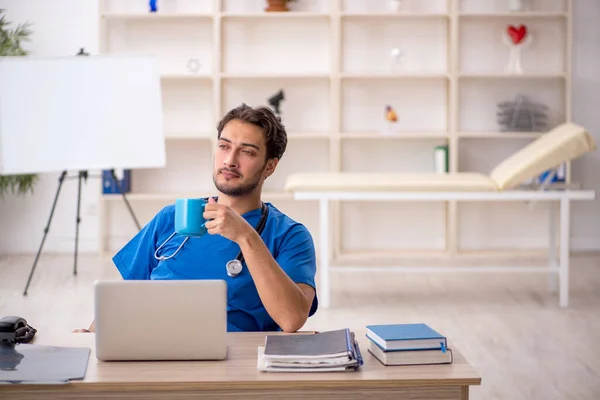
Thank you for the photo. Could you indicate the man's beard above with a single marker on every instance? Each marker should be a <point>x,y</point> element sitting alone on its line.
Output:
<point>241,190</point>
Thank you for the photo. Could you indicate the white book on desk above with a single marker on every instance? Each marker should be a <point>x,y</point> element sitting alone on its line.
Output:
<point>410,357</point>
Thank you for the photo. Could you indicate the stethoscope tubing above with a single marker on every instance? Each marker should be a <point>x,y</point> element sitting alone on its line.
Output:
<point>232,271</point>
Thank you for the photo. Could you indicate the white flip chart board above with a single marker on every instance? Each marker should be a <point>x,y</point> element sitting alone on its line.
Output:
<point>80,113</point>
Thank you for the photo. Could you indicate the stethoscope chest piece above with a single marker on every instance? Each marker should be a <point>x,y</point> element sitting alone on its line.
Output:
<point>234,267</point>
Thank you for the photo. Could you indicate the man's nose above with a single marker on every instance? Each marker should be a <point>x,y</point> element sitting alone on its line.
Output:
<point>231,160</point>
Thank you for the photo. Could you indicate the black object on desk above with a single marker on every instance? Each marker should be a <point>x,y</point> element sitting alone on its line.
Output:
<point>15,330</point>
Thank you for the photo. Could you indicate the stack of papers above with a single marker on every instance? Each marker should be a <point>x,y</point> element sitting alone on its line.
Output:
<point>320,352</point>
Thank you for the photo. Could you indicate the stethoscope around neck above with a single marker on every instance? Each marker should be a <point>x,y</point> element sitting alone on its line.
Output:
<point>233,267</point>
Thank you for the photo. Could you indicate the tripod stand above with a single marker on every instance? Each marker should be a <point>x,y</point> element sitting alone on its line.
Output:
<point>82,175</point>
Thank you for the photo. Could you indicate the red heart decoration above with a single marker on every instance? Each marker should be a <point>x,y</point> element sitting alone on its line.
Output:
<point>517,34</point>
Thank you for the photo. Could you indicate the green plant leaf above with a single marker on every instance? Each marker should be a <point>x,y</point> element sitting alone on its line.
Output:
<point>17,184</point>
<point>10,45</point>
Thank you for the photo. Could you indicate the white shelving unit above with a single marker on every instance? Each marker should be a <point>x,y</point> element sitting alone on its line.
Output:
<point>332,59</point>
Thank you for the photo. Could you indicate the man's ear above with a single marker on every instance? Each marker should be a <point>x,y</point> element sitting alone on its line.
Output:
<point>270,168</point>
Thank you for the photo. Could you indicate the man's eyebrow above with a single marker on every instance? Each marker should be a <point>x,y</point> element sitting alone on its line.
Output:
<point>243,144</point>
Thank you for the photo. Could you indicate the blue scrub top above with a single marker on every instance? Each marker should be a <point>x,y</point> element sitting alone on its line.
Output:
<point>205,257</point>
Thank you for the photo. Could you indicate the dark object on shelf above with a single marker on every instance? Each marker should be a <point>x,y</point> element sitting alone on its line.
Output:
<point>82,52</point>
<point>277,5</point>
<point>153,5</point>
<point>522,115</point>
<point>275,101</point>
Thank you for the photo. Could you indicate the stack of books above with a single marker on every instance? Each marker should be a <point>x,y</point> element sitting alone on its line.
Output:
<point>408,344</point>
<point>319,352</point>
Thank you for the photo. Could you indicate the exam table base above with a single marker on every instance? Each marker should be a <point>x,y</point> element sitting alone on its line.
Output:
<point>557,267</point>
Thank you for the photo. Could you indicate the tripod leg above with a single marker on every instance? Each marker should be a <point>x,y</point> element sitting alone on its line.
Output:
<point>60,182</point>
<point>112,171</point>
<point>82,175</point>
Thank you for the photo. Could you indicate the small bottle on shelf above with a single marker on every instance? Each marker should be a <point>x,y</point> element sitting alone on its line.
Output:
<point>518,5</point>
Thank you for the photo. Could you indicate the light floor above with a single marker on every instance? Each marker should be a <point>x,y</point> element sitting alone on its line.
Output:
<point>508,326</point>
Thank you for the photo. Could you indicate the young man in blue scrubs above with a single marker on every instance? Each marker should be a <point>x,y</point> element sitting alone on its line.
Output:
<point>276,287</point>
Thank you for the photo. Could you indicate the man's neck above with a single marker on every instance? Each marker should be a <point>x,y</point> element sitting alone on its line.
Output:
<point>242,204</point>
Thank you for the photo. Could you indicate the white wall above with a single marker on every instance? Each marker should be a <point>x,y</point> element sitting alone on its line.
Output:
<point>586,101</point>
<point>63,26</point>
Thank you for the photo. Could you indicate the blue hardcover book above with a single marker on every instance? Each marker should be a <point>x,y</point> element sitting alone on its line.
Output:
<point>406,337</point>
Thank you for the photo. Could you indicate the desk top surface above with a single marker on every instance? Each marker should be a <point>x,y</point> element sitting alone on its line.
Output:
<point>239,370</point>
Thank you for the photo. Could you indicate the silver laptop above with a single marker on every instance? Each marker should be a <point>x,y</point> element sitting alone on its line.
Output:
<point>160,320</point>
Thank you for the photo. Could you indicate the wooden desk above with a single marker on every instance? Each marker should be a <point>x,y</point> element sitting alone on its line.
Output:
<point>237,377</point>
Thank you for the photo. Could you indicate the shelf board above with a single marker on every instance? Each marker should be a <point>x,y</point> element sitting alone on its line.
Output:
<point>207,136</point>
<point>500,135</point>
<point>188,136</point>
<point>393,136</point>
<point>504,75</point>
<point>522,14</point>
<point>185,76</point>
<point>154,16</point>
<point>393,75</point>
<point>267,75</point>
<point>156,196</point>
<point>384,14</point>
<point>308,135</point>
<point>307,14</point>
<point>325,75</point>
<point>288,14</point>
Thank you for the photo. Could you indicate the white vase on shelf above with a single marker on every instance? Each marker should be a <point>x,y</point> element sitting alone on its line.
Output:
<point>515,50</point>
<point>396,62</point>
<point>396,5</point>
<point>193,65</point>
<point>517,5</point>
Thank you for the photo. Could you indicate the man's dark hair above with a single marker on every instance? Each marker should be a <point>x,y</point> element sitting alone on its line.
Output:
<point>264,118</point>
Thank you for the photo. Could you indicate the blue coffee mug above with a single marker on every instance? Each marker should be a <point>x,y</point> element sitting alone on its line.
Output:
<point>188,217</point>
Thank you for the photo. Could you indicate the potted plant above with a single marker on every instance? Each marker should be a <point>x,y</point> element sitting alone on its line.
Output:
<point>278,5</point>
<point>10,45</point>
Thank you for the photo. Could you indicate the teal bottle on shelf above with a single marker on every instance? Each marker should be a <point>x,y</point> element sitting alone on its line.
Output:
<point>440,159</point>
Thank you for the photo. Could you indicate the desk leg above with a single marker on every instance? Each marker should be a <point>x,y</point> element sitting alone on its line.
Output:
<point>564,252</point>
<point>552,259</point>
<point>324,259</point>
